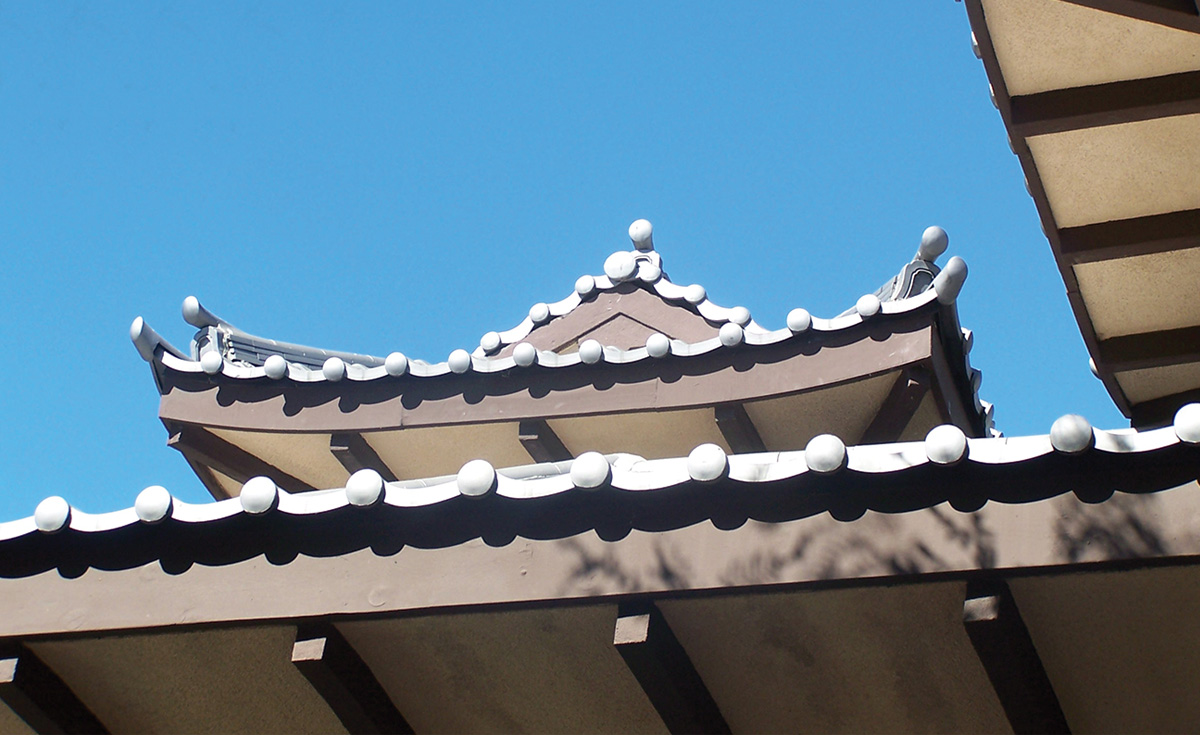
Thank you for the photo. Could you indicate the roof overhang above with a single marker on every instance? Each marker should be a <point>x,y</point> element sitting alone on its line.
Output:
<point>1101,99</point>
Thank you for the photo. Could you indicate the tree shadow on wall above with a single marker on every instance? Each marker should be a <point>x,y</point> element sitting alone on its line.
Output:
<point>823,548</point>
<point>1122,527</point>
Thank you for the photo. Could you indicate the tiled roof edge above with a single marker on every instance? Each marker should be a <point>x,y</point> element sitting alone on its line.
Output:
<point>945,445</point>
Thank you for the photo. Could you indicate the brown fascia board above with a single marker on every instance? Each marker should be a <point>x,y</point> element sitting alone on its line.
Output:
<point>723,376</point>
<point>471,552</point>
<point>1037,191</point>
<point>1179,14</point>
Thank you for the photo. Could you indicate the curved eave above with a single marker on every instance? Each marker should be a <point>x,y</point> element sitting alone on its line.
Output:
<point>1101,101</point>
<point>552,501</point>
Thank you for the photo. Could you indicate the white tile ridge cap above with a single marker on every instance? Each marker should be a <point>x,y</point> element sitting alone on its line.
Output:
<point>635,474</point>
<point>754,335</point>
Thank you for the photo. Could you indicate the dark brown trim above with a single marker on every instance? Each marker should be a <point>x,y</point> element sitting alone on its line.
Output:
<point>1114,103</point>
<point>353,451</point>
<point>203,447</point>
<point>1151,349</point>
<point>40,698</point>
<point>206,476</point>
<point>722,376</point>
<point>1160,412</point>
<point>1127,238</point>
<point>1037,191</point>
<point>345,682</point>
<point>1007,653</point>
<point>663,669</point>
<point>541,442</point>
<point>738,429</point>
<point>898,408</point>
<point>1179,14</point>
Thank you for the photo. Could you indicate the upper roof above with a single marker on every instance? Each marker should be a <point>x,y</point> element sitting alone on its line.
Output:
<point>1101,99</point>
<point>629,362</point>
<point>220,348</point>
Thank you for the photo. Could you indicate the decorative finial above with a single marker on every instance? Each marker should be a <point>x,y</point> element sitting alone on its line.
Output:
<point>641,232</point>
<point>934,242</point>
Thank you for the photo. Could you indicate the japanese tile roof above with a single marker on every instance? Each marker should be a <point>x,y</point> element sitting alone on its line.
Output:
<point>222,349</point>
<point>617,493</point>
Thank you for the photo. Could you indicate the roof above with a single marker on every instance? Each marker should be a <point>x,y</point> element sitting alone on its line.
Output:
<point>629,362</point>
<point>222,349</point>
<point>1101,100</point>
<point>557,500</point>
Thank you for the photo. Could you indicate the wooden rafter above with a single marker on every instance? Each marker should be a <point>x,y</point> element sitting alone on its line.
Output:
<point>1002,642</point>
<point>345,682</point>
<point>1114,103</point>
<point>661,665</point>
<point>201,446</point>
<point>541,442</point>
<point>39,697</point>
<point>353,451</point>
<point>738,429</point>
<point>898,408</point>
<point>1126,238</point>
<point>1179,14</point>
<point>1151,349</point>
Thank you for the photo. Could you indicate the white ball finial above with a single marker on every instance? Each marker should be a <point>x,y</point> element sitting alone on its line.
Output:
<point>620,266</point>
<point>946,444</point>
<point>52,514</point>
<point>539,313</point>
<point>364,488</point>
<point>707,462</point>
<point>934,242</point>
<point>459,361</point>
<point>641,232</point>
<point>476,478</point>
<point>825,453</point>
<point>799,320</point>
<point>490,342</point>
<point>525,354</point>
<point>211,362</point>
<point>590,471</point>
<point>1187,423</point>
<point>396,364</point>
<point>731,334</point>
<point>153,504</point>
<point>868,305</point>
<point>658,345</point>
<point>276,367</point>
<point>258,495</point>
<point>1072,434</point>
<point>591,351</point>
<point>334,369</point>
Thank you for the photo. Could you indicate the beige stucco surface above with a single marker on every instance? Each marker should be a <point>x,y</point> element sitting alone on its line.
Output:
<point>1122,649</point>
<point>1146,293</point>
<point>506,672</point>
<point>878,659</point>
<point>1120,171</point>
<point>232,680</point>
<point>305,456</point>
<point>1150,383</point>
<point>1051,44</point>
<point>650,434</point>
<point>845,410</point>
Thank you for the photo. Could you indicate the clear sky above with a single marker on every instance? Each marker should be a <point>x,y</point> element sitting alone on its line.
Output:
<point>402,176</point>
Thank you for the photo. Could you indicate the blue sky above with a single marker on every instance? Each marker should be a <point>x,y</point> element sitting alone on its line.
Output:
<point>382,176</point>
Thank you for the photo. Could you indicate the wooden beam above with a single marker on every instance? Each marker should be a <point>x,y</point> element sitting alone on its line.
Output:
<point>1114,103</point>
<point>738,429</point>
<point>1180,14</point>
<point>1150,349</point>
<point>898,408</point>
<point>1160,412</point>
<point>541,442</point>
<point>346,684</point>
<point>36,695</point>
<point>355,454</point>
<point>1125,238</point>
<point>202,446</point>
<point>662,667</point>
<point>1007,653</point>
